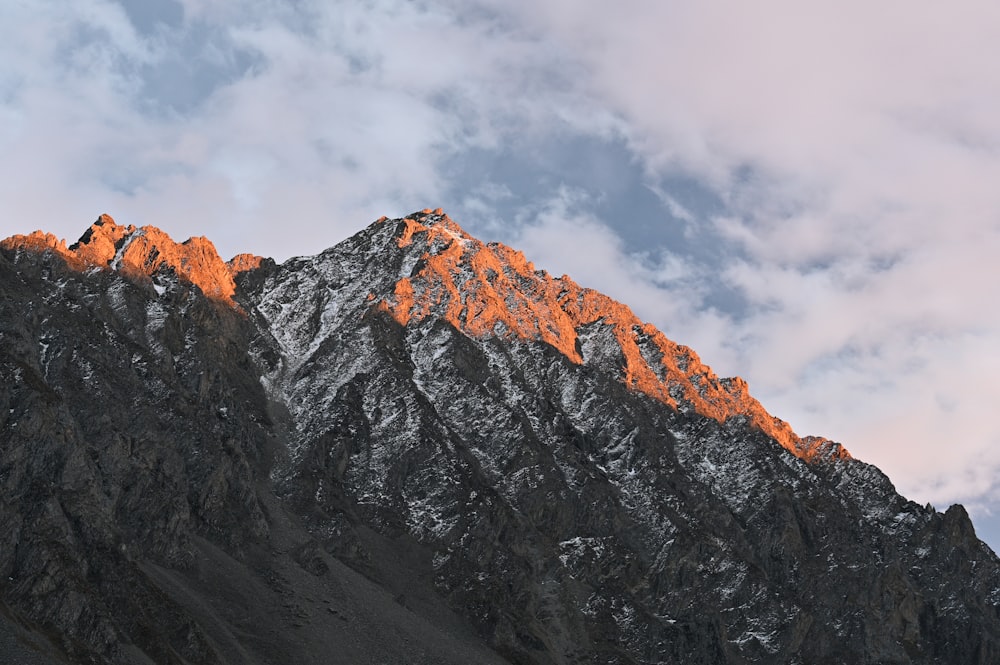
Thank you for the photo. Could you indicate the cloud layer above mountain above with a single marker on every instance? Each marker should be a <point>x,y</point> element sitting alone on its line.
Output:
<point>804,194</point>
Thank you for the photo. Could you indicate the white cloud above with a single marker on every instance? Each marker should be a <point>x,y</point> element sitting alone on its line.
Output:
<point>339,115</point>
<point>854,147</point>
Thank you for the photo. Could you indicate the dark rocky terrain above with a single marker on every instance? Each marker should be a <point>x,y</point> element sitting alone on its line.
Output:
<point>415,448</point>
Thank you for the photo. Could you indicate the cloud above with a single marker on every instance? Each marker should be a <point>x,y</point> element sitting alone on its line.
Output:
<point>304,116</point>
<point>855,149</point>
<point>834,243</point>
<point>884,357</point>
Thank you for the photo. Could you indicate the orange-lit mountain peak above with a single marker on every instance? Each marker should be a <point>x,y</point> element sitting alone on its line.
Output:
<point>434,222</point>
<point>480,289</point>
<point>98,243</point>
<point>37,241</point>
<point>140,252</point>
<point>493,290</point>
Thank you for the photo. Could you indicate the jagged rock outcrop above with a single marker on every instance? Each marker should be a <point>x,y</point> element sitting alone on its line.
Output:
<point>143,254</point>
<point>414,447</point>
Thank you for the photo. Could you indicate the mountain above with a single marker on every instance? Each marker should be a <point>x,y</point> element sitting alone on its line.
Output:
<point>413,447</point>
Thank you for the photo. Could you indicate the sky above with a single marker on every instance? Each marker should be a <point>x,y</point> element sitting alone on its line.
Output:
<point>805,193</point>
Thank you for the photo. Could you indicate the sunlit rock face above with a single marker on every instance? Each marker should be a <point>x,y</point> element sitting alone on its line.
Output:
<point>415,447</point>
<point>142,254</point>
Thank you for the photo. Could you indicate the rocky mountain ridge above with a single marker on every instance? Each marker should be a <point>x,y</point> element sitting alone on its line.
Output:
<point>142,253</point>
<point>493,290</point>
<point>414,447</point>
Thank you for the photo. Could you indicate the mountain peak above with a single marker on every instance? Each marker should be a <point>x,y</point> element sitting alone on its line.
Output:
<point>484,290</point>
<point>416,442</point>
<point>493,290</point>
<point>435,222</point>
<point>139,253</point>
<point>99,244</point>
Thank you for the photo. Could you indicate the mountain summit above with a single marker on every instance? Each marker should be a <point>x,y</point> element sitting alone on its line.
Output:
<point>414,447</point>
<point>492,289</point>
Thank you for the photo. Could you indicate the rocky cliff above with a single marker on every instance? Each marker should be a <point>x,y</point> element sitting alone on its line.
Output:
<point>413,447</point>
